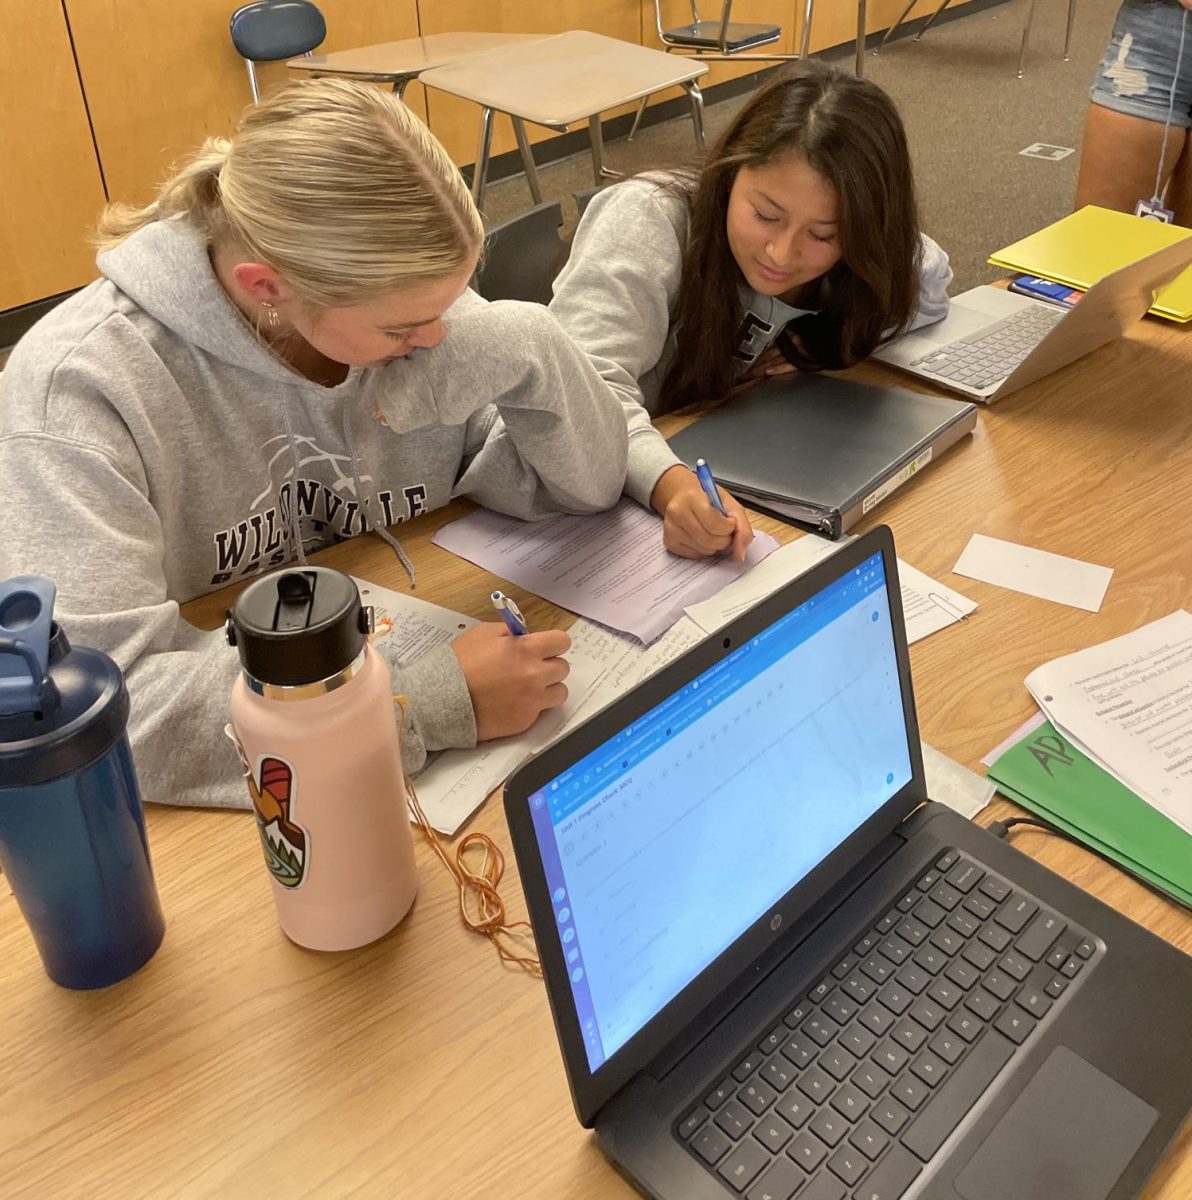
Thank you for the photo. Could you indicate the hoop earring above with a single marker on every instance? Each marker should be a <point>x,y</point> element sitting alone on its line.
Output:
<point>273,319</point>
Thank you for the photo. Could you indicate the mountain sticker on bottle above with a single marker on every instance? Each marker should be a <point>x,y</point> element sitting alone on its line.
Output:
<point>272,787</point>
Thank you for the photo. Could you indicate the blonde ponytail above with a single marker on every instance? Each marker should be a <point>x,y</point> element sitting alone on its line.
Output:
<point>193,192</point>
<point>334,184</point>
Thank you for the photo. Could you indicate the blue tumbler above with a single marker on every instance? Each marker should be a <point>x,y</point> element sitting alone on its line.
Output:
<point>72,834</point>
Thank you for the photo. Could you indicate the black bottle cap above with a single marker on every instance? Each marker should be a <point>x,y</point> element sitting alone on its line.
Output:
<point>298,626</point>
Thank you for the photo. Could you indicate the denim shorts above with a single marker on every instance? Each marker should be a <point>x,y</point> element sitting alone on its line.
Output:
<point>1139,66</point>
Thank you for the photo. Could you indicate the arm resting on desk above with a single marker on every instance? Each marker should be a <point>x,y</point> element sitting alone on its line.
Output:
<point>103,548</point>
<point>544,435</point>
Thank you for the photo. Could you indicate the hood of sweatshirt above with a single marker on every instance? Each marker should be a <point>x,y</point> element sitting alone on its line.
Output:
<point>190,301</point>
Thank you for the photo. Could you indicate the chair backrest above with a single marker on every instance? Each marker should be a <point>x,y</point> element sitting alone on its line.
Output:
<point>274,29</point>
<point>583,199</point>
<point>522,256</point>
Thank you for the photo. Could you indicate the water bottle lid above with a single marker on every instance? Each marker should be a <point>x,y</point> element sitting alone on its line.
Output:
<point>298,626</point>
<point>61,707</point>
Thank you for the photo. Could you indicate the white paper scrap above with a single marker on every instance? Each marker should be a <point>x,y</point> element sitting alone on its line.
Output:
<point>1035,572</point>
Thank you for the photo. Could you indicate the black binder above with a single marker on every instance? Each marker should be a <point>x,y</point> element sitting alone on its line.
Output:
<point>822,452</point>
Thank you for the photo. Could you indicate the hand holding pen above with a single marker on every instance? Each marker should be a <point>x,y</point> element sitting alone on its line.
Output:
<point>699,520</point>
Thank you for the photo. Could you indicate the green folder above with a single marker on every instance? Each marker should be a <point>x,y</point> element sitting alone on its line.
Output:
<point>1046,774</point>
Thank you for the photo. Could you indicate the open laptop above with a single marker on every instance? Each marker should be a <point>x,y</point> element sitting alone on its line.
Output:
<point>776,972</point>
<point>993,342</point>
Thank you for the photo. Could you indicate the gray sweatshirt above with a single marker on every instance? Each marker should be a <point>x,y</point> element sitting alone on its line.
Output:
<point>152,449</point>
<point>619,291</point>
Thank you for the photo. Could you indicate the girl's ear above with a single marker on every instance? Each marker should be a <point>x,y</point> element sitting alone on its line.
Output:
<point>260,283</point>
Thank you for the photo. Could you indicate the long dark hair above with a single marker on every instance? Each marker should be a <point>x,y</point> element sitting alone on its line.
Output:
<point>849,131</point>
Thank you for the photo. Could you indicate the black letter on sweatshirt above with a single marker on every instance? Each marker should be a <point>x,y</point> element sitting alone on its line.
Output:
<point>415,499</point>
<point>230,544</point>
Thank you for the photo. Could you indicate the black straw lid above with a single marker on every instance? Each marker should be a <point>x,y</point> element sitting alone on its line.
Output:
<point>298,626</point>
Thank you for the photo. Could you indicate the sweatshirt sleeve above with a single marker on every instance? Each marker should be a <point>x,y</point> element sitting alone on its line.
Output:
<point>935,274</point>
<point>614,299</point>
<point>81,515</point>
<point>544,433</point>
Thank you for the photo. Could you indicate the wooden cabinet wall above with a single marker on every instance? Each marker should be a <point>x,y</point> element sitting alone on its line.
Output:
<point>157,76</point>
<point>51,189</point>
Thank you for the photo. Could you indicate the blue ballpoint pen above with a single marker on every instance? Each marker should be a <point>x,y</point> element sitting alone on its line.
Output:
<point>510,614</point>
<point>703,473</point>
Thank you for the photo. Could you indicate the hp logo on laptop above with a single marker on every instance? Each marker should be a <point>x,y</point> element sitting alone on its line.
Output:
<point>776,922</point>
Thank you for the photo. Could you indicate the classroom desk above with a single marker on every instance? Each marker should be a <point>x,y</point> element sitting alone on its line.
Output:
<point>237,1065</point>
<point>398,63</point>
<point>558,81</point>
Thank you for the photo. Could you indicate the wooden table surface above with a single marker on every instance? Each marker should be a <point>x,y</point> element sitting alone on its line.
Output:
<point>409,58</point>
<point>565,78</point>
<point>236,1064</point>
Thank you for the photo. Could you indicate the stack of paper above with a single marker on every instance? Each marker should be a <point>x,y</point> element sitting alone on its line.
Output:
<point>1047,775</point>
<point>1127,705</point>
<point>1109,759</point>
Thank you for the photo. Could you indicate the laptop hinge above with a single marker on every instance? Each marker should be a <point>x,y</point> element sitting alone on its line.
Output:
<point>714,1013</point>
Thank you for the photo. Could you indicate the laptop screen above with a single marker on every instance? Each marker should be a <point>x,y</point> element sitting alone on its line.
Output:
<point>666,843</point>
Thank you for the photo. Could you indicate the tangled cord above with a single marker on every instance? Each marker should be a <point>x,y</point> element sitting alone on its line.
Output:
<point>480,905</point>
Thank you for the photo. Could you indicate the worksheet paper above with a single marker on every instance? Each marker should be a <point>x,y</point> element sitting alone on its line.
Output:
<point>1034,572</point>
<point>455,782</point>
<point>927,606</point>
<point>1127,704</point>
<point>414,626</point>
<point>611,567</point>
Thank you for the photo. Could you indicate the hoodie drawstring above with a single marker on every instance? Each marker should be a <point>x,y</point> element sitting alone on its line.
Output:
<point>295,531</point>
<point>365,501</point>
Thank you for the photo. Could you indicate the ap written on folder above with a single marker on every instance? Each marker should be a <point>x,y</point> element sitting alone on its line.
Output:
<point>1127,704</point>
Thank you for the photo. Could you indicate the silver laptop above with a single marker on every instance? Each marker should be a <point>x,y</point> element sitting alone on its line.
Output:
<point>993,342</point>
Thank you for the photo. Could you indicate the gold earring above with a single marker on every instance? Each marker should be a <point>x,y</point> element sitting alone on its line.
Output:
<point>273,319</point>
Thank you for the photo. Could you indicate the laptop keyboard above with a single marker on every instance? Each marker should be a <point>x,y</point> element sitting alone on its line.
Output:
<point>864,1079</point>
<point>981,362</point>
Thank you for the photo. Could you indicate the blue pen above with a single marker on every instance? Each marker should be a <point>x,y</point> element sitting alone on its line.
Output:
<point>703,473</point>
<point>510,614</point>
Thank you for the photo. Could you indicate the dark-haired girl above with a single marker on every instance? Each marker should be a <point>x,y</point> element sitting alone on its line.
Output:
<point>796,246</point>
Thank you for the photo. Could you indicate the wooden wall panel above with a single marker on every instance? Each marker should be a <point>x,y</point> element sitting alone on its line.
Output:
<point>457,122</point>
<point>834,22</point>
<point>52,191</point>
<point>160,75</point>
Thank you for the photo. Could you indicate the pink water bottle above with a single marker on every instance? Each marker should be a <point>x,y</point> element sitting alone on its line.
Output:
<point>314,721</point>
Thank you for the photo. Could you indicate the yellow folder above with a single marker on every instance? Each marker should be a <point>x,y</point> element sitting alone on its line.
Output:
<point>1084,247</point>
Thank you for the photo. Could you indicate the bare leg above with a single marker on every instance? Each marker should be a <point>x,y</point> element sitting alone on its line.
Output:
<point>1119,157</point>
<point>1179,193</point>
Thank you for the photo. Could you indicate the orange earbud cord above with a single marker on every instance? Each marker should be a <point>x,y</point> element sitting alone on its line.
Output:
<point>480,905</point>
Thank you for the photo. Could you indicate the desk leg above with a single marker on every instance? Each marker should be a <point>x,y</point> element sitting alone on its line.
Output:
<point>400,85</point>
<point>697,110</point>
<point>527,157</point>
<point>806,39</point>
<point>599,170</point>
<point>1026,34</point>
<point>860,38</point>
<point>484,146</point>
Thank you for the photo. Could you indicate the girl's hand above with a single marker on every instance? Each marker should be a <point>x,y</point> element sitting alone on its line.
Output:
<point>691,527</point>
<point>512,680</point>
<point>771,362</point>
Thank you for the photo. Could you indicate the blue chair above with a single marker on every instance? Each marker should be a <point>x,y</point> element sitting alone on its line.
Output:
<point>271,30</point>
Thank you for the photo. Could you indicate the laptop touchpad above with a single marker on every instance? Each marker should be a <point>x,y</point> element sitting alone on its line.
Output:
<point>1071,1134</point>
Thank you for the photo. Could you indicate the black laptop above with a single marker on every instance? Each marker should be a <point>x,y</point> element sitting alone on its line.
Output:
<point>777,970</point>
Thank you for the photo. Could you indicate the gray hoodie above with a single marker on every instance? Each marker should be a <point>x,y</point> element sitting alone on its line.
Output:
<point>152,449</point>
<point>619,292</point>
